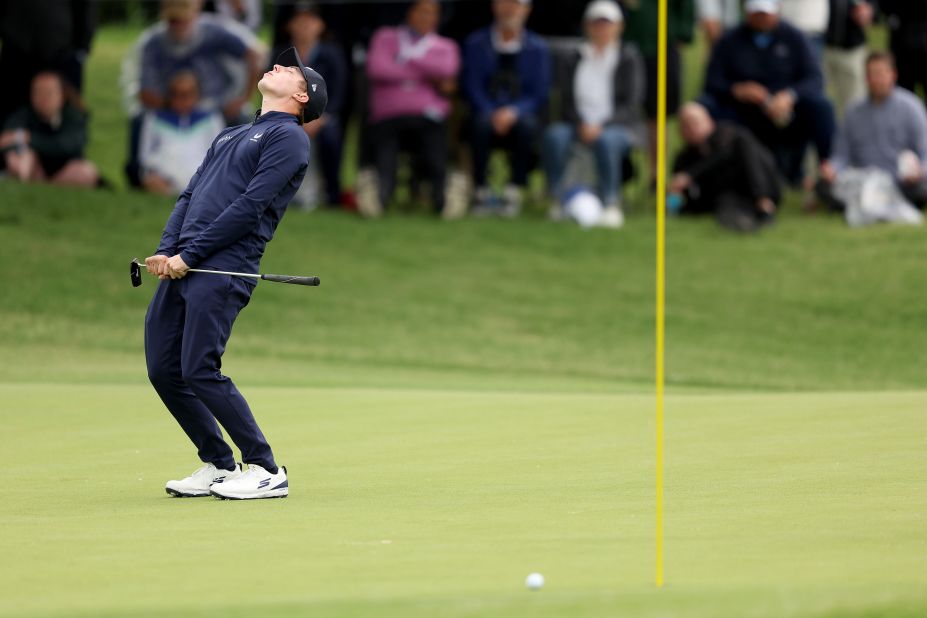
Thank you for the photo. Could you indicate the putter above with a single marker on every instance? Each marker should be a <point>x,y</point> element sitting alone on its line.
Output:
<point>135,272</point>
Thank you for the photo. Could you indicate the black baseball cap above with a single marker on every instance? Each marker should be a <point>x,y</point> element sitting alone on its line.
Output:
<point>315,85</point>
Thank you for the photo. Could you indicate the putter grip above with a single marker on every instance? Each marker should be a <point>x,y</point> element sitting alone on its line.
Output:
<point>313,281</point>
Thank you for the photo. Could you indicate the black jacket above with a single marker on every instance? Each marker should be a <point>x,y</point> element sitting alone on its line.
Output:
<point>842,31</point>
<point>629,87</point>
<point>731,161</point>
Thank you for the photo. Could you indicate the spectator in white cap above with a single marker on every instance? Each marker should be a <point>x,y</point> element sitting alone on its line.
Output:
<point>765,76</point>
<point>602,92</point>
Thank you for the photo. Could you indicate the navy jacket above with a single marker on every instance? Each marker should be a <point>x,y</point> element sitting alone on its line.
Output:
<point>228,213</point>
<point>788,62</point>
<point>480,62</point>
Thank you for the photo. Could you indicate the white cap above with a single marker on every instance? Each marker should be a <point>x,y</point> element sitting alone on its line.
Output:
<point>762,6</point>
<point>604,9</point>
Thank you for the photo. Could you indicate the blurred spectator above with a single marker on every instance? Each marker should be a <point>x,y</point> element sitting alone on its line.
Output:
<point>557,18</point>
<point>811,17</point>
<point>642,21</point>
<point>506,81</point>
<point>305,29</point>
<point>845,53</point>
<point>764,75</point>
<point>412,73</point>
<point>188,40</point>
<point>175,140</point>
<point>723,170</point>
<point>602,88</point>
<point>246,12</point>
<point>717,17</point>
<point>44,141</point>
<point>907,20</point>
<point>887,130</point>
<point>42,35</point>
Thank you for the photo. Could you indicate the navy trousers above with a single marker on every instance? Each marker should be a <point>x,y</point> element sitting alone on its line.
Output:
<point>187,326</point>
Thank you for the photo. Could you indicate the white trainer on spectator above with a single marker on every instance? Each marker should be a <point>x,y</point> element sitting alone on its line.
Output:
<point>197,484</point>
<point>612,217</point>
<point>367,189</point>
<point>256,483</point>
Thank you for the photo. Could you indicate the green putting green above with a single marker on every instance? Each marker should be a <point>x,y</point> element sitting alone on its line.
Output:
<point>439,503</point>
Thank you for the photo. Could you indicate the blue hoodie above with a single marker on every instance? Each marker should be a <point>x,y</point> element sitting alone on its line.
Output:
<point>228,213</point>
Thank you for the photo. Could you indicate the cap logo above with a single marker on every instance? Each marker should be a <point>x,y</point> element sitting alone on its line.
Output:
<point>315,87</point>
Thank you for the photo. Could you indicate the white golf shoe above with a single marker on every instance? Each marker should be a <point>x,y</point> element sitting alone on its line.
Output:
<point>255,483</point>
<point>197,484</point>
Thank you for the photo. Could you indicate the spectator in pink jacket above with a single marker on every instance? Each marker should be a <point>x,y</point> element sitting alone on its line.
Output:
<point>413,72</point>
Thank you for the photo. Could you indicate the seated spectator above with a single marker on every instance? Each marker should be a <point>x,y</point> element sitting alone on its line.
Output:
<point>887,130</point>
<point>602,88</point>
<point>845,52</point>
<point>717,17</point>
<point>209,47</point>
<point>723,170</point>
<point>506,81</point>
<point>306,28</point>
<point>412,73</point>
<point>37,36</point>
<point>175,140</point>
<point>907,21</point>
<point>44,141</point>
<point>763,75</point>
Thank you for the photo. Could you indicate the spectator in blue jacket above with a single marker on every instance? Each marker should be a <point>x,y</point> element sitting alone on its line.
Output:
<point>764,75</point>
<point>506,81</point>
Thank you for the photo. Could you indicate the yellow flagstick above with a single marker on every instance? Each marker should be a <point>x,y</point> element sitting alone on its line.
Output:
<point>661,274</point>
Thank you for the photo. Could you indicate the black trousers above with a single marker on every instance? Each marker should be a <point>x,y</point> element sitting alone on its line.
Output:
<point>188,324</point>
<point>425,139</point>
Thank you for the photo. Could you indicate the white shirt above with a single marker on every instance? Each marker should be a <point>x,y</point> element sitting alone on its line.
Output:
<point>725,11</point>
<point>809,16</point>
<point>594,84</point>
<point>174,149</point>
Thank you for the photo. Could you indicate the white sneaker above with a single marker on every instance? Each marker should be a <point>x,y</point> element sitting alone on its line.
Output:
<point>612,217</point>
<point>456,196</point>
<point>197,484</point>
<point>255,483</point>
<point>511,202</point>
<point>367,190</point>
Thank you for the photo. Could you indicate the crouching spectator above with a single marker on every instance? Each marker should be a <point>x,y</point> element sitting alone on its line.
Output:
<point>724,171</point>
<point>887,130</point>
<point>412,73</point>
<point>45,141</point>
<point>602,87</point>
<point>506,81</point>
<point>175,140</point>
<point>764,75</point>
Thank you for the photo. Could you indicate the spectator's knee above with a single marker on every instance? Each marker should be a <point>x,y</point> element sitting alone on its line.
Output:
<point>80,172</point>
<point>558,136</point>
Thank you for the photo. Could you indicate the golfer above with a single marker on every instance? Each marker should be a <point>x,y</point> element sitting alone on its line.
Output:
<point>223,221</point>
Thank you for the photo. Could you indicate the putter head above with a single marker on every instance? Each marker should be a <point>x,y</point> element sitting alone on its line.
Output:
<point>135,272</point>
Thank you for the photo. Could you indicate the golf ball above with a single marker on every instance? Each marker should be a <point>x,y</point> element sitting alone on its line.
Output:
<point>535,581</point>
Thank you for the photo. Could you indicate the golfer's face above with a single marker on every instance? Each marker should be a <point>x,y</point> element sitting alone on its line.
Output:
<point>283,81</point>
